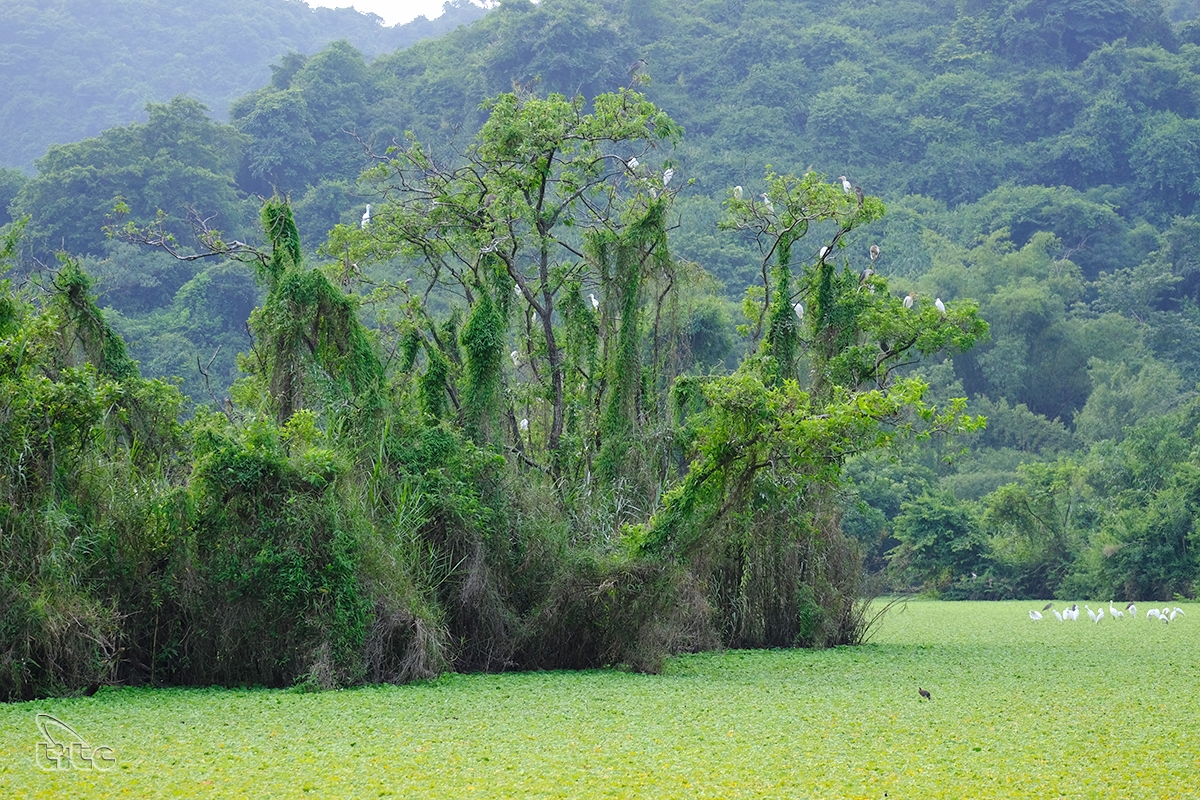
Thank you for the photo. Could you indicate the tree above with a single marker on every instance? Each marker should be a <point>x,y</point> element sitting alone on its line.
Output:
<point>178,161</point>
<point>549,201</point>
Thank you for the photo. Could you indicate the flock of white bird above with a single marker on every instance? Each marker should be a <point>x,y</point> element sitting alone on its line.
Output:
<point>1165,614</point>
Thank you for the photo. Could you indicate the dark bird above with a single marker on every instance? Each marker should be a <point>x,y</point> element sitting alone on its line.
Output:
<point>923,693</point>
<point>1047,607</point>
<point>91,689</point>
<point>637,66</point>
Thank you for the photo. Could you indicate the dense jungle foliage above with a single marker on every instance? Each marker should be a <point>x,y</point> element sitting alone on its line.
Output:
<point>608,367</point>
<point>74,68</point>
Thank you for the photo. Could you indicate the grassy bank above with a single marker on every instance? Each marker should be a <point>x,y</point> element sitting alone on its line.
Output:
<point>1018,708</point>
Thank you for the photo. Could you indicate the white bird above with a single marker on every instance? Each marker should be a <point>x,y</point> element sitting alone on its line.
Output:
<point>517,290</point>
<point>737,193</point>
<point>874,252</point>
<point>516,358</point>
<point>908,301</point>
<point>1132,609</point>
<point>847,186</point>
<point>1113,611</point>
<point>1055,612</point>
<point>653,193</point>
<point>1176,610</point>
<point>1092,614</point>
<point>633,164</point>
<point>523,424</point>
<point>366,217</point>
<point>799,309</point>
<point>595,302</point>
<point>941,307</point>
<point>670,173</point>
<point>1035,615</point>
<point>1152,614</point>
<point>824,252</point>
<point>1099,615</point>
<point>767,202</point>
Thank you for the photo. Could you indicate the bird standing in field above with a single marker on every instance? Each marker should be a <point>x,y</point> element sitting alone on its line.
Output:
<point>1132,609</point>
<point>1034,615</point>
<point>923,693</point>
<point>1055,612</point>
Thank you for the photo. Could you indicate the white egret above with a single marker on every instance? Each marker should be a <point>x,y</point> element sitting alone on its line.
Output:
<point>1132,609</point>
<point>366,217</point>
<point>1060,617</point>
<point>767,202</point>
<point>595,302</point>
<point>1092,614</point>
<point>737,193</point>
<point>1174,611</point>
<point>908,301</point>
<point>523,424</point>
<point>1152,614</point>
<point>516,358</point>
<point>874,252</point>
<point>941,307</point>
<point>1035,615</point>
<point>847,186</point>
<point>1099,615</point>
<point>799,309</point>
<point>653,193</point>
<point>1113,611</point>
<point>633,164</point>
<point>670,173</point>
<point>824,252</point>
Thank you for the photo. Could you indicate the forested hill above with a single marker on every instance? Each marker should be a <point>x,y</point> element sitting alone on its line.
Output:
<point>72,68</point>
<point>1038,157</point>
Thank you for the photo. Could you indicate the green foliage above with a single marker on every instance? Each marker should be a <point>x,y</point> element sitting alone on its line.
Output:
<point>176,161</point>
<point>74,72</point>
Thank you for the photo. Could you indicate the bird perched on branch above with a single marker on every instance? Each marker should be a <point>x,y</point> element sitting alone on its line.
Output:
<point>595,302</point>
<point>847,186</point>
<point>366,217</point>
<point>874,251</point>
<point>941,307</point>
<point>799,309</point>
<point>908,301</point>
<point>737,193</point>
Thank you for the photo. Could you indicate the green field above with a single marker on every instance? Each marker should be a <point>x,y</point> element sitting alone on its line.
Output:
<point>1019,709</point>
